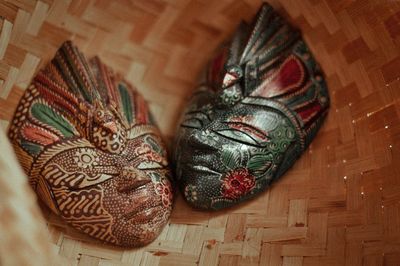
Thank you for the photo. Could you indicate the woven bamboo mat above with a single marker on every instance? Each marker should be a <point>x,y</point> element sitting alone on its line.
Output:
<point>339,205</point>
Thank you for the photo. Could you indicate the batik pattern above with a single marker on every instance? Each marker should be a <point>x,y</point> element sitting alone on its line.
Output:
<point>259,104</point>
<point>92,153</point>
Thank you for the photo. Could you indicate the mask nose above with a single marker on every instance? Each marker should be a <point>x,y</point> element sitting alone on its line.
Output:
<point>130,179</point>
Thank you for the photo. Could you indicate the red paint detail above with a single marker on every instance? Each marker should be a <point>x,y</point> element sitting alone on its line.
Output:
<point>56,87</point>
<point>212,241</point>
<point>164,189</point>
<point>229,79</point>
<point>287,79</point>
<point>290,74</point>
<point>56,95</point>
<point>249,130</point>
<point>217,66</point>
<point>38,135</point>
<point>160,253</point>
<point>106,76</point>
<point>237,183</point>
<point>308,113</point>
<point>142,113</point>
<point>239,123</point>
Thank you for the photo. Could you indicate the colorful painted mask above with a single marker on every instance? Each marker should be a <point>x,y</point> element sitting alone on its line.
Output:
<point>259,105</point>
<point>88,144</point>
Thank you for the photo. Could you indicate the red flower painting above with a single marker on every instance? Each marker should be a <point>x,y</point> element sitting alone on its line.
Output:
<point>237,183</point>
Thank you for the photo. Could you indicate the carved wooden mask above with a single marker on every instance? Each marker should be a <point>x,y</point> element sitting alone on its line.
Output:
<point>92,153</point>
<point>259,104</point>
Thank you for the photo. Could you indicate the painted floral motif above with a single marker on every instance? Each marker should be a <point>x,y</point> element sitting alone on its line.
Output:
<point>164,189</point>
<point>86,158</point>
<point>191,193</point>
<point>149,155</point>
<point>237,183</point>
<point>208,137</point>
<point>230,96</point>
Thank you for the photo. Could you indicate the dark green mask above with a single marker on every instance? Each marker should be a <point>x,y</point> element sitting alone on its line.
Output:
<point>259,104</point>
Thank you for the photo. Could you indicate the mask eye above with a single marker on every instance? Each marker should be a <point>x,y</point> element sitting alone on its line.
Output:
<point>149,165</point>
<point>195,119</point>
<point>94,179</point>
<point>237,135</point>
<point>192,123</point>
<point>244,133</point>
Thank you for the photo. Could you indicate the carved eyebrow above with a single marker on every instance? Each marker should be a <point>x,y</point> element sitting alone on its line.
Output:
<point>203,114</point>
<point>258,132</point>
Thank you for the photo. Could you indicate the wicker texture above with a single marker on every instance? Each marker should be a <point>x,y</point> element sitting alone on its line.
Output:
<point>340,203</point>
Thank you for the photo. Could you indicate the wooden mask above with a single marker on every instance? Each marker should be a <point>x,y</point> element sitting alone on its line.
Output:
<point>259,104</point>
<point>87,142</point>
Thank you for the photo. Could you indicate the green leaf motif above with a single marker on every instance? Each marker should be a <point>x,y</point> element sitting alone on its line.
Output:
<point>30,147</point>
<point>49,116</point>
<point>230,158</point>
<point>259,164</point>
<point>126,102</point>
<point>154,144</point>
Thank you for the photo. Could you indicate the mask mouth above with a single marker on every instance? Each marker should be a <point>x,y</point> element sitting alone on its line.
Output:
<point>144,215</point>
<point>141,198</point>
<point>193,163</point>
<point>204,169</point>
<point>131,181</point>
<point>141,225</point>
<point>128,187</point>
<point>142,202</point>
